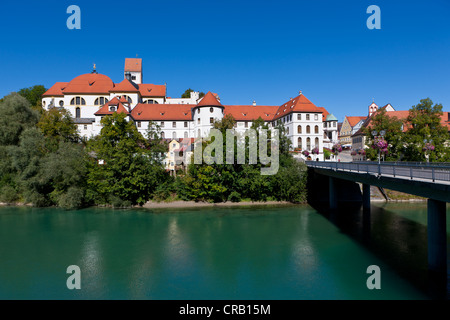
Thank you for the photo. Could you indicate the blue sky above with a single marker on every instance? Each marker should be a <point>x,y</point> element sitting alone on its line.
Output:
<point>244,50</point>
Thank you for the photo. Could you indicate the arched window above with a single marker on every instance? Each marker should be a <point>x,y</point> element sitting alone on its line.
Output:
<point>77,113</point>
<point>77,101</point>
<point>308,143</point>
<point>299,142</point>
<point>299,129</point>
<point>100,101</point>
<point>163,135</point>
<point>316,129</point>
<point>316,142</point>
<point>128,98</point>
<point>61,103</point>
<point>151,101</point>
<point>308,129</point>
<point>174,135</point>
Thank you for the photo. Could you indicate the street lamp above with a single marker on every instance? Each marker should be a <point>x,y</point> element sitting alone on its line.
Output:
<point>428,146</point>
<point>382,134</point>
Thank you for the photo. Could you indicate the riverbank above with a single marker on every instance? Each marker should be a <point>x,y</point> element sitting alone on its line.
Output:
<point>192,204</point>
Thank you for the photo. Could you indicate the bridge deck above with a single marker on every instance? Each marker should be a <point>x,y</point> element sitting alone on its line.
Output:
<point>425,180</point>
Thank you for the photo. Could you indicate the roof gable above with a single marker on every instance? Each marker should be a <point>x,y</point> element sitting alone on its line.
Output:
<point>125,86</point>
<point>209,100</point>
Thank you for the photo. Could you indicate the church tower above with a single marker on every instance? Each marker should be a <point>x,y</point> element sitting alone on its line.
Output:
<point>372,108</point>
<point>133,70</point>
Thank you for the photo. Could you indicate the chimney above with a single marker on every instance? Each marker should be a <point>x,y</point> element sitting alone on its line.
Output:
<point>254,103</point>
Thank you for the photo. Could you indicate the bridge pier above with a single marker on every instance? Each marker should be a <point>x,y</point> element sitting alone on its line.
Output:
<point>366,197</point>
<point>437,236</point>
<point>332,192</point>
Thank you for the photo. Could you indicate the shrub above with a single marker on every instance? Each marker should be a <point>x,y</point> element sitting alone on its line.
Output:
<point>234,197</point>
<point>8,194</point>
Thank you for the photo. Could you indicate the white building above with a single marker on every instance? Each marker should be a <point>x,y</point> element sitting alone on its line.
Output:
<point>89,97</point>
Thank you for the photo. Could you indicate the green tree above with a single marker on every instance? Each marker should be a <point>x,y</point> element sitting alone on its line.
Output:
<point>424,122</point>
<point>15,116</point>
<point>187,94</point>
<point>394,136</point>
<point>57,124</point>
<point>129,174</point>
<point>33,94</point>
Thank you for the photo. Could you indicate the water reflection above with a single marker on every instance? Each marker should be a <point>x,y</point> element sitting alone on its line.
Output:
<point>397,239</point>
<point>239,253</point>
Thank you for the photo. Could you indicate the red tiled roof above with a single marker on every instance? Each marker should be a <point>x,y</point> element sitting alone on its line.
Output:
<point>104,110</point>
<point>165,112</point>
<point>354,120</point>
<point>122,100</point>
<point>56,90</point>
<point>89,83</point>
<point>297,104</point>
<point>152,90</point>
<point>445,120</point>
<point>324,112</point>
<point>124,86</point>
<point>250,112</point>
<point>133,64</point>
<point>209,100</point>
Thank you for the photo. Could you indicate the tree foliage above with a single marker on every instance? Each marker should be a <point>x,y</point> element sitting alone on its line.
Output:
<point>15,116</point>
<point>127,172</point>
<point>422,125</point>
<point>187,94</point>
<point>233,182</point>
<point>33,94</point>
<point>394,136</point>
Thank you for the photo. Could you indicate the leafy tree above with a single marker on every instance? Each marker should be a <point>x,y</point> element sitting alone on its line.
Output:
<point>129,173</point>
<point>244,181</point>
<point>57,124</point>
<point>156,143</point>
<point>424,122</point>
<point>187,94</point>
<point>15,116</point>
<point>394,136</point>
<point>33,94</point>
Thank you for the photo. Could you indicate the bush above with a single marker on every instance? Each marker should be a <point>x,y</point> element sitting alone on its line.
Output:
<point>72,199</point>
<point>234,197</point>
<point>8,194</point>
<point>116,202</point>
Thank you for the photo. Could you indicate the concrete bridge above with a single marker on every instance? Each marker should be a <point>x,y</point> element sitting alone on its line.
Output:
<point>431,181</point>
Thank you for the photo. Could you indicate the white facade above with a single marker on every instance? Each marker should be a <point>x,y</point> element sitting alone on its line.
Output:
<point>306,129</point>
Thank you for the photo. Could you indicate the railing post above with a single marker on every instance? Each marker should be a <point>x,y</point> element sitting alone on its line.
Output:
<point>394,170</point>
<point>410,173</point>
<point>432,173</point>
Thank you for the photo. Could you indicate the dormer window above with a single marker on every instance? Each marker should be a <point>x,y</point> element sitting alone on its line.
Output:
<point>112,108</point>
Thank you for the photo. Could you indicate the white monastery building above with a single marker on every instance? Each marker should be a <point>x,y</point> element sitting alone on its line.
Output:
<point>91,96</point>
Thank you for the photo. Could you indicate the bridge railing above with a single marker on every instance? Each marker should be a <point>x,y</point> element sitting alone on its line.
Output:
<point>411,171</point>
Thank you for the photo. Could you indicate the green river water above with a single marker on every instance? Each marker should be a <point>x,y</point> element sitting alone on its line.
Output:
<point>272,252</point>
